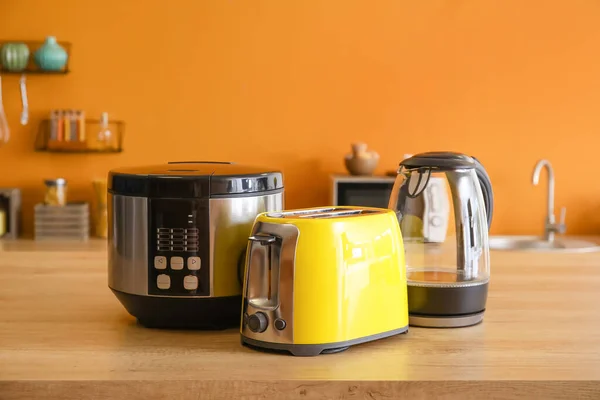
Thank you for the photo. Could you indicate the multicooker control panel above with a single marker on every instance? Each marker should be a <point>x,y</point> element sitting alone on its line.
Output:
<point>179,253</point>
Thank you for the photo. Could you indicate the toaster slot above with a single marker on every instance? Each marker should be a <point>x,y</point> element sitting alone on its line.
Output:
<point>299,213</point>
<point>329,212</point>
<point>340,213</point>
<point>263,271</point>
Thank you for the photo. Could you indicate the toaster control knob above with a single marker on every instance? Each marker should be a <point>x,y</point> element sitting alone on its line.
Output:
<point>279,324</point>
<point>258,322</point>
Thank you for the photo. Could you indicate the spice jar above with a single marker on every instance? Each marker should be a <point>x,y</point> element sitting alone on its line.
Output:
<point>56,192</point>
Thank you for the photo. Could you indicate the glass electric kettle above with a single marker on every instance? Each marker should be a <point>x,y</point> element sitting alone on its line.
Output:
<point>446,242</point>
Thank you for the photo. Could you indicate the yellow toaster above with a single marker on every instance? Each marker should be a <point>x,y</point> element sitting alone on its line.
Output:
<point>319,280</point>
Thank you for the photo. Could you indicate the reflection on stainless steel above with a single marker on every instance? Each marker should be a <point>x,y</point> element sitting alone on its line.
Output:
<point>231,221</point>
<point>287,239</point>
<point>128,239</point>
<point>538,244</point>
<point>551,227</point>
<point>468,217</point>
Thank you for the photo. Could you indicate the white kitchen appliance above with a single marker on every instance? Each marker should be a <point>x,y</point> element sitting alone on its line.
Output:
<point>436,209</point>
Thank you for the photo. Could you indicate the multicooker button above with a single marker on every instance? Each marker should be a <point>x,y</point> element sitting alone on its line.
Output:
<point>163,281</point>
<point>160,262</point>
<point>176,262</point>
<point>193,263</point>
<point>190,282</point>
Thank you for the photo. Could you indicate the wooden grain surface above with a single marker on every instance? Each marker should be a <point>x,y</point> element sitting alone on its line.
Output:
<point>64,335</point>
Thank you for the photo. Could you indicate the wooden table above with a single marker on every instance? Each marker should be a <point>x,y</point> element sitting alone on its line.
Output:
<point>64,335</point>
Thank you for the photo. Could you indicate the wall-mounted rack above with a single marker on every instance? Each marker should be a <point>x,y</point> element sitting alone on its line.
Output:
<point>77,140</point>
<point>32,68</point>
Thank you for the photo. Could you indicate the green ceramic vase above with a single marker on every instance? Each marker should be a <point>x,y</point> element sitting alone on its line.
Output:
<point>14,56</point>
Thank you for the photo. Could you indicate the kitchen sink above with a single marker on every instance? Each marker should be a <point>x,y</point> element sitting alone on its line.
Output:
<point>538,244</point>
<point>549,242</point>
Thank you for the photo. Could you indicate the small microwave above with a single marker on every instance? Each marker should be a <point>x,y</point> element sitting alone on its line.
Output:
<point>362,191</point>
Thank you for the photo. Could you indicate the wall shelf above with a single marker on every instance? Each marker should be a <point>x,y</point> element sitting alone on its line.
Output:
<point>29,71</point>
<point>32,68</point>
<point>47,139</point>
<point>75,150</point>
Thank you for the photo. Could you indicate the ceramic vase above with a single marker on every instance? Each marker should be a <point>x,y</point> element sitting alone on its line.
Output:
<point>361,161</point>
<point>14,56</point>
<point>51,56</point>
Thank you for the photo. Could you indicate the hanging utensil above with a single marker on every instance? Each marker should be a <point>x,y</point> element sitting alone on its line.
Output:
<point>25,112</point>
<point>4,131</point>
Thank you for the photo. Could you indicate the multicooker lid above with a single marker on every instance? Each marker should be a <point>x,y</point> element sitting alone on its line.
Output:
<point>194,179</point>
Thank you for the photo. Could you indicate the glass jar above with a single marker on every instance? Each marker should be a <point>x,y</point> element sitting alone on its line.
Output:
<point>56,192</point>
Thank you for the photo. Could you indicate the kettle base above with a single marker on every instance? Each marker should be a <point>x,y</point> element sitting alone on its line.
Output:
<point>447,321</point>
<point>210,313</point>
<point>311,350</point>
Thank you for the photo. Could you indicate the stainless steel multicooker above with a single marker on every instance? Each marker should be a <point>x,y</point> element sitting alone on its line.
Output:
<point>177,239</point>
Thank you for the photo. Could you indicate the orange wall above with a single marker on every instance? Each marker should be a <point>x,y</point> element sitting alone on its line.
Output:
<point>291,84</point>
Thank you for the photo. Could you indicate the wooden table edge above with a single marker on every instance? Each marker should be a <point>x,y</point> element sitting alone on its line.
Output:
<point>292,389</point>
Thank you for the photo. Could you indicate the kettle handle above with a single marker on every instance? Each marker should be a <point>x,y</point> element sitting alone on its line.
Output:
<point>486,189</point>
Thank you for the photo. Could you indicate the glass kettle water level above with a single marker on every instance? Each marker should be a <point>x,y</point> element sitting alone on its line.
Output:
<point>444,204</point>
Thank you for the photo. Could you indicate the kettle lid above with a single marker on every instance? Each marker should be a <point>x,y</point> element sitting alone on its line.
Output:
<point>440,159</point>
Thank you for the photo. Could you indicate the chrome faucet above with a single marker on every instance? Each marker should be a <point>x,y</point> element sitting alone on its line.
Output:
<point>551,227</point>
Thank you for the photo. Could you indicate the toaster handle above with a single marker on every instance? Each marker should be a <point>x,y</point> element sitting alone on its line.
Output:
<point>264,239</point>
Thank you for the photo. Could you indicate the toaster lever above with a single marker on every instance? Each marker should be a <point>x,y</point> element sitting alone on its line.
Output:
<point>264,239</point>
